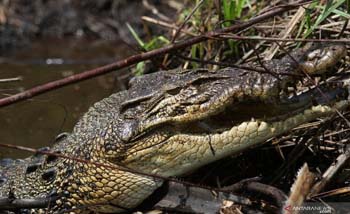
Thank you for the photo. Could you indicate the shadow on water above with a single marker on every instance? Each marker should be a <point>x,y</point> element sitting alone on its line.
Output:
<point>36,122</point>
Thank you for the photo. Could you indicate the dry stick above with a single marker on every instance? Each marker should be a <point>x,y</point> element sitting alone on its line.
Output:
<point>44,202</point>
<point>14,79</point>
<point>154,10</point>
<point>286,32</point>
<point>174,27</point>
<point>77,159</point>
<point>333,192</point>
<point>183,199</point>
<point>143,56</point>
<point>186,20</point>
<point>166,24</point>
<point>177,32</point>
<point>331,171</point>
<point>253,185</point>
<point>273,39</point>
<point>232,65</point>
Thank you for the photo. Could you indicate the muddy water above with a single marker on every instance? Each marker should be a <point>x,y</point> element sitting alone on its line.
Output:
<point>36,122</point>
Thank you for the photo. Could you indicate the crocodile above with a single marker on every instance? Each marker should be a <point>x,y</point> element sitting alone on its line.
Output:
<point>167,124</point>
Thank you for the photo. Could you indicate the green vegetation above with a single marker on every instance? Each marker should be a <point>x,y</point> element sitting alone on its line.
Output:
<point>232,10</point>
<point>330,8</point>
<point>210,15</point>
<point>154,43</point>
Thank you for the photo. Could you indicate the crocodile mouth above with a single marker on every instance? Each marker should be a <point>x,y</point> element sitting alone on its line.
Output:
<point>177,149</point>
<point>273,111</point>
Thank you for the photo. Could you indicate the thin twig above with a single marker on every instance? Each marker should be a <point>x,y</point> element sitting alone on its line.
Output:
<point>14,79</point>
<point>154,10</point>
<point>108,166</point>
<point>166,24</point>
<point>331,171</point>
<point>232,65</point>
<point>273,39</point>
<point>180,29</point>
<point>186,20</point>
<point>291,26</point>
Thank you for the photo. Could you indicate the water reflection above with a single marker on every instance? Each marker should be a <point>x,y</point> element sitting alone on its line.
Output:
<point>36,122</point>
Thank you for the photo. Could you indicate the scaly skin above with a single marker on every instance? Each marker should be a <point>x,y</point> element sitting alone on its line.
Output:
<point>168,123</point>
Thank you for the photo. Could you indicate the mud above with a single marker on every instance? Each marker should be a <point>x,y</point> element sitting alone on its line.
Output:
<point>23,21</point>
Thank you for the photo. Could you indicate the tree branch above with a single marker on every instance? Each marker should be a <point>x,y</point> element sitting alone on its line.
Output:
<point>144,56</point>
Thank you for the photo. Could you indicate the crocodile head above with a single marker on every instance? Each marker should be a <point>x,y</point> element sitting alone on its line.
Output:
<point>194,117</point>
<point>169,123</point>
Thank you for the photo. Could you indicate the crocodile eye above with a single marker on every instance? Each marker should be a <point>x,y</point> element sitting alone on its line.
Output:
<point>127,131</point>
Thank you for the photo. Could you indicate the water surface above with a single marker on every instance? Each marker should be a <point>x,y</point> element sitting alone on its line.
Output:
<point>36,122</point>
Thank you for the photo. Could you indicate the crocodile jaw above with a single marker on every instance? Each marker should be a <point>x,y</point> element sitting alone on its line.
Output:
<point>186,152</point>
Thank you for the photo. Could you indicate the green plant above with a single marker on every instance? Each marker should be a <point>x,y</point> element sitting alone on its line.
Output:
<point>326,11</point>
<point>154,43</point>
<point>232,10</point>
